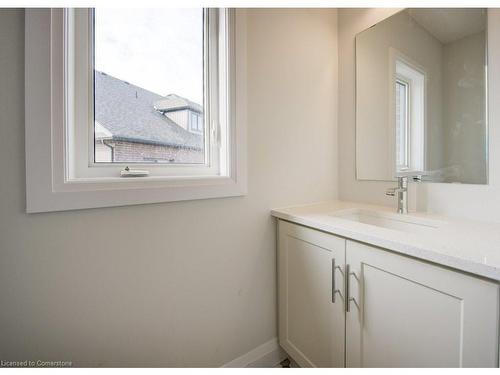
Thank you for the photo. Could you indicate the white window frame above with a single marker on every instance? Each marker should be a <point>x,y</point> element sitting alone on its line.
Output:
<point>406,165</point>
<point>79,88</point>
<point>403,68</point>
<point>54,114</point>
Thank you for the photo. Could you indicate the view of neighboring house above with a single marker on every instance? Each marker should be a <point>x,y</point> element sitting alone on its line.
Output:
<point>136,125</point>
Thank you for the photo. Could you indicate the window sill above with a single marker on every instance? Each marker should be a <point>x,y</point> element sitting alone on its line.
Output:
<point>109,192</point>
<point>147,179</point>
<point>149,182</point>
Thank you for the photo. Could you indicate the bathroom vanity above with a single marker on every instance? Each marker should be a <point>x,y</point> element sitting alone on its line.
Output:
<point>362,286</point>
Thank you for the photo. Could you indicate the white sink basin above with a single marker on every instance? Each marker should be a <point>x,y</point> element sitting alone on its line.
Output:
<point>400,222</point>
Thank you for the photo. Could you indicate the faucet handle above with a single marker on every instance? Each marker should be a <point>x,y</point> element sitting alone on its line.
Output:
<point>391,192</point>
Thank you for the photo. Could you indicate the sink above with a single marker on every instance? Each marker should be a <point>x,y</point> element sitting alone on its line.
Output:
<point>400,222</point>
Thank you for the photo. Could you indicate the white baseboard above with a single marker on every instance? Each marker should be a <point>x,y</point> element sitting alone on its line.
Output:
<point>268,354</point>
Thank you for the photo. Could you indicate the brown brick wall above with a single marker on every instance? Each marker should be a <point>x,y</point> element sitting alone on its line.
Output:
<point>140,152</point>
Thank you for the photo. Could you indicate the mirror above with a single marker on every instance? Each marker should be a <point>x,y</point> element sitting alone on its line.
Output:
<point>421,103</point>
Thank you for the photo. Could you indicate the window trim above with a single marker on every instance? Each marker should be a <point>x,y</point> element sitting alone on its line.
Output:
<point>407,157</point>
<point>80,94</point>
<point>47,189</point>
<point>417,97</point>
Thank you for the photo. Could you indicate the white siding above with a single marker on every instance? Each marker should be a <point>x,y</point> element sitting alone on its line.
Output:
<point>103,153</point>
<point>180,118</point>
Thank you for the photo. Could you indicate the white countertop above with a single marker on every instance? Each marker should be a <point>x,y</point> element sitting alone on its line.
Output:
<point>470,246</point>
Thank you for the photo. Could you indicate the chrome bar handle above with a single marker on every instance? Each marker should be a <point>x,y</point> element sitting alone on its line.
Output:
<point>347,300</point>
<point>334,290</point>
<point>333,280</point>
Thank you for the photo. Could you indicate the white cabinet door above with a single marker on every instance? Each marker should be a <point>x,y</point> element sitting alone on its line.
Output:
<point>413,314</point>
<point>311,321</point>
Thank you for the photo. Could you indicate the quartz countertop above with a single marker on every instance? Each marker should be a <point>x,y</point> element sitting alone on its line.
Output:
<point>470,246</point>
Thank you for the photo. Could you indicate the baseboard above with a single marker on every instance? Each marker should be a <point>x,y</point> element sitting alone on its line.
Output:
<point>268,354</point>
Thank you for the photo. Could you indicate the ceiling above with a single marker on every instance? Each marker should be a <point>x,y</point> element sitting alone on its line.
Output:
<point>450,24</point>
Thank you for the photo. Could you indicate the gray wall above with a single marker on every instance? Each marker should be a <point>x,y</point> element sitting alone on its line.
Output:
<point>178,284</point>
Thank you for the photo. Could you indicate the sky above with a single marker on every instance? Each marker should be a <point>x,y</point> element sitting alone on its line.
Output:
<point>160,50</point>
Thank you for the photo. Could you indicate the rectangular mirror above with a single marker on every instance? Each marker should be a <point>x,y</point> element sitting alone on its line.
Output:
<point>421,97</point>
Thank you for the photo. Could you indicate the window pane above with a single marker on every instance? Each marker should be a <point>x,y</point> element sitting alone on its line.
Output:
<point>148,85</point>
<point>402,125</point>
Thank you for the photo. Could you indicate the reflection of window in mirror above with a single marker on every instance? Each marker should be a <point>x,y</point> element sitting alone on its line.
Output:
<point>402,124</point>
<point>409,111</point>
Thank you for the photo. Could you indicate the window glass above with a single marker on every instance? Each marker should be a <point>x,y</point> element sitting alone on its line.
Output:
<point>402,131</point>
<point>410,116</point>
<point>148,75</point>
<point>196,122</point>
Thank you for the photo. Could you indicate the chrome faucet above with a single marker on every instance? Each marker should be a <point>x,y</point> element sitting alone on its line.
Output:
<point>402,192</point>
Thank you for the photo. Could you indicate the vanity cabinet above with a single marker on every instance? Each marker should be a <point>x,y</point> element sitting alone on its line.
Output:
<point>311,315</point>
<point>414,314</point>
<point>401,312</point>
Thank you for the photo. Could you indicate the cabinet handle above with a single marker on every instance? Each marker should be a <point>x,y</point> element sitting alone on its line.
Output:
<point>348,274</point>
<point>333,280</point>
<point>334,290</point>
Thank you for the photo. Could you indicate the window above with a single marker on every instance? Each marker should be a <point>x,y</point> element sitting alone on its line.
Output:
<point>148,73</point>
<point>149,70</point>
<point>196,122</point>
<point>149,89</point>
<point>409,115</point>
<point>402,125</point>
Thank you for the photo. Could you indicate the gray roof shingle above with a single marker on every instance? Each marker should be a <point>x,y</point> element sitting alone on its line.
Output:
<point>174,102</point>
<point>127,112</point>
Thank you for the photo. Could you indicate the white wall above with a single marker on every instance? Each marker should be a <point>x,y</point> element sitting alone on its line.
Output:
<point>180,284</point>
<point>351,22</point>
<point>481,202</point>
<point>463,101</point>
